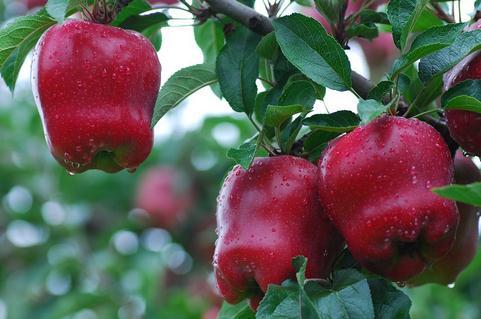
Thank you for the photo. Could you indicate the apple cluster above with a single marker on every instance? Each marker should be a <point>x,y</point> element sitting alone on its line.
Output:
<point>371,191</point>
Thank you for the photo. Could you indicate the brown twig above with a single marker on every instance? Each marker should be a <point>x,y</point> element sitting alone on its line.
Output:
<point>442,14</point>
<point>263,25</point>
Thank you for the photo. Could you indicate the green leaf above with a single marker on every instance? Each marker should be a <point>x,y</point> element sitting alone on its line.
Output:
<point>268,47</point>
<point>316,141</point>
<point>17,38</point>
<point>280,302</point>
<point>367,31</point>
<point>289,134</point>
<point>278,114</point>
<point>337,122</point>
<point>304,3</point>
<point>239,311</point>
<point>244,155</point>
<point>372,16</point>
<point>441,61</point>
<point>209,37</point>
<point>154,35</point>
<point>432,40</point>
<point>389,302</point>
<point>464,102</point>
<point>330,8</point>
<point>298,92</point>
<point>12,66</point>
<point>380,91</point>
<point>237,69</point>
<point>313,51</point>
<point>469,194</point>
<point>464,96</point>
<point>265,99</point>
<point>403,15</point>
<point>428,93</point>
<point>57,9</point>
<point>134,8</point>
<point>300,264</point>
<point>140,23</point>
<point>368,110</point>
<point>180,85</point>
<point>350,296</point>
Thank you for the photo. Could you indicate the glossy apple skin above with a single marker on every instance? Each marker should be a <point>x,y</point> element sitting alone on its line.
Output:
<point>95,87</point>
<point>266,216</point>
<point>446,270</point>
<point>375,184</point>
<point>166,195</point>
<point>465,126</point>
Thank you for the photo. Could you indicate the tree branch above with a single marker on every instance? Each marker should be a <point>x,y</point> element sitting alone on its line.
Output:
<point>441,14</point>
<point>262,25</point>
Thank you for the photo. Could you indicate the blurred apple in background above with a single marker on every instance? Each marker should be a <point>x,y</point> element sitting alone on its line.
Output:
<point>166,194</point>
<point>379,52</point>
<point>31,4</point>
<point>211,313</point>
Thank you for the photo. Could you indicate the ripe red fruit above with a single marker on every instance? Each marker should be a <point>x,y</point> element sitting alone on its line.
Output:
<point>166,195</point>
<point>95,87</point>
<point>465,126</point>
<point>449,267</point>
<point>266,216</point>
<point>375,184</point>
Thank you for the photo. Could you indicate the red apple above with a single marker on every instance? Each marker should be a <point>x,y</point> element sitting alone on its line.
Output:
<point>446,270</point>
<point>166,195</point>
<point>266,216</point>
<point>465,126</point>
<point>375,184</point>
<point>380,52</point>
<point>95,87</point>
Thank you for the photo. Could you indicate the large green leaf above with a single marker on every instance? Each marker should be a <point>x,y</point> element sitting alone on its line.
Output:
<point>237,69</point>
<point>17,38</point>
<point>209,37</point>
<point>426,43</point>
<point>403,15</point>
<point>441,61</point>
<point>180,85</point>
<point>313,51</point>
